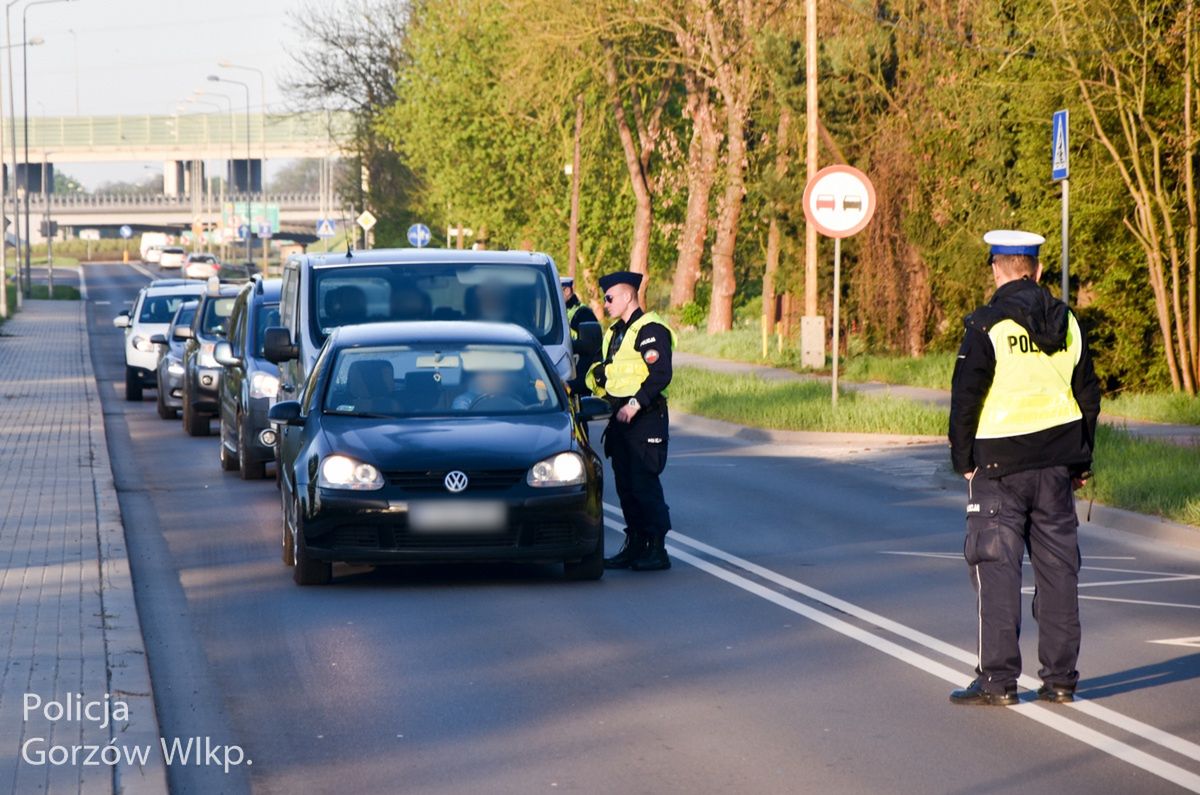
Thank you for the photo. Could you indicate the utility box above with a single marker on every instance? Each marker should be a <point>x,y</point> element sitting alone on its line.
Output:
<point>812,341</point>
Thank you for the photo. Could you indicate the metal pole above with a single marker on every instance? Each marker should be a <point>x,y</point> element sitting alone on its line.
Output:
<point>49,236</point>
<point>12,114</point>
<point>1066,209</point>
<point>810,135</point>
<point>4,311</point>
<point>837,305</point>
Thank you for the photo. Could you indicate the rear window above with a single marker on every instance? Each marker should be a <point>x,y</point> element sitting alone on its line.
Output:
<point>452,291</point>
<point>161,308</point>
<point>216,316</point>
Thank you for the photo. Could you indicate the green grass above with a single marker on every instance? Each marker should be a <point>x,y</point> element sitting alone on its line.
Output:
<point>1174,408</point>
<point>1146,476</point>
<point>743,344</point>
<point>798,406</point>
<point>932,371</point>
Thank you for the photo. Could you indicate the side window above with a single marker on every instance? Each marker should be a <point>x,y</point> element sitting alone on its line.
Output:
<point>288,304</point>
<point>235,324</point>
<point>309,398</point>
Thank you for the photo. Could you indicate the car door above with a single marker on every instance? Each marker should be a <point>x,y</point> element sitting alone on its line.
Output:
<point>234,376</point>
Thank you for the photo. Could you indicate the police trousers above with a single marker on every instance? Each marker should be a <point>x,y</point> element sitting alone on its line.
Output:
<point>1030,511</point>
<point>639,454</point>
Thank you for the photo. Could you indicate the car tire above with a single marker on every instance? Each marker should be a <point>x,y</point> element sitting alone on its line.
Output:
<point>194,423</point>
<point>289,550</point>
<point>164,411</point>
<point>251,470</point>
<point>307,571</point>
<point>590,568</point>
<point>229,460</point>
<point>133,385</point>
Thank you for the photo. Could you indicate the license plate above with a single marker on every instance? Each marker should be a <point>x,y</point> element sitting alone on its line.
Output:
<point>449,516</point>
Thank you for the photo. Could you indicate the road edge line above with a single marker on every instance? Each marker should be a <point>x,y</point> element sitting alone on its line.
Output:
<point>124,646</point>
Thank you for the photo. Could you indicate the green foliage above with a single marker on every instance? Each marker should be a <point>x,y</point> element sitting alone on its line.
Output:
<point>1174,408</point>
<point>692,315</point>
<point>1146,476</point>
<point>931,371</point>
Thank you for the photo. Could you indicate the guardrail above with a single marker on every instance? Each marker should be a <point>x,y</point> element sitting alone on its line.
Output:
<point>88,201</point>
<point>192,129</point>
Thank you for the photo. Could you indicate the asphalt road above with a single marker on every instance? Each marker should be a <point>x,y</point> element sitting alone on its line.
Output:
<point>817,616</point>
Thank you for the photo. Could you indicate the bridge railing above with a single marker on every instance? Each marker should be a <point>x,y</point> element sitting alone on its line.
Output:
<point>91,201</point>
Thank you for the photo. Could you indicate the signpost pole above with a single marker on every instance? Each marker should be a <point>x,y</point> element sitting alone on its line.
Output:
<point>837,311</point>
<point>1060,171</point>
<point>1066,210</point>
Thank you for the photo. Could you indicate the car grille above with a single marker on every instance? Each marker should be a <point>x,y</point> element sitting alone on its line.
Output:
<point>398,537</point>
<point>477,480</point>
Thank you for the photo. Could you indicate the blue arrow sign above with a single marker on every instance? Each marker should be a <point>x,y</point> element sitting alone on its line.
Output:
<point>264,230</point>
<point>126,231</point>
<point>243,231</point>
<point>1060,151</point>
<point>326,228</point>
<point>419,235</point>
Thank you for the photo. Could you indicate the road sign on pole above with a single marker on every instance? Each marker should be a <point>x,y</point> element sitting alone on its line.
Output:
<point>419,235</point>
<point>126,231</point>
<point>264,230</point>
<point>326,228</point>
<point>839,202</point>
<point>365,220</point>
<point>1060,169</point>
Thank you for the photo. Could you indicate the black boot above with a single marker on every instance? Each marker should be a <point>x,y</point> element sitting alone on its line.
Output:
<point>633,548</point>
<point>974,694</point>
<point>655,557</point>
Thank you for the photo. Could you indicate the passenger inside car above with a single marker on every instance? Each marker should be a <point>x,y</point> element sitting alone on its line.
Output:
<point>346,306</point>
<point>371,385</point>
<point>409,302</point>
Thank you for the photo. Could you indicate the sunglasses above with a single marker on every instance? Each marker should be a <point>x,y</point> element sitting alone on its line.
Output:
<point>610,299</point>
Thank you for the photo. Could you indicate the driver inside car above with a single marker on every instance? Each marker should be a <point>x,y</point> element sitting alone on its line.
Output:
<point>488,384</point>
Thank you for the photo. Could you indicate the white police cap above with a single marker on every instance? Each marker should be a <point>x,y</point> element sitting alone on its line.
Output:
<point>566,281</point>
<point>1013,241</point>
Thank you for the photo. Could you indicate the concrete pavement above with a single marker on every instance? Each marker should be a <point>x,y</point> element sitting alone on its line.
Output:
<point>69,630</point>
<point>1176,434</point>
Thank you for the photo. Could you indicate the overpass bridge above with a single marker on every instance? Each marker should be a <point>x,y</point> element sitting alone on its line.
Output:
<point>179,140</point>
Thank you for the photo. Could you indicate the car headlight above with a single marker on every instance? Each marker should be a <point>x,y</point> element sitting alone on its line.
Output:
<point>263,385</point>
<point>143,344</point>
<point>343,472</point>
<point>564,469</point>
<point>175,369</point>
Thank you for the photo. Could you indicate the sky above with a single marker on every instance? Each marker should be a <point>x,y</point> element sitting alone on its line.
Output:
<point>146,56</point>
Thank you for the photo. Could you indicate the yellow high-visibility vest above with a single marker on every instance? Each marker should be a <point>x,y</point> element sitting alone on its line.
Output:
<point>571,310</point>
<point>627,370</point>
<point>1031,390</point>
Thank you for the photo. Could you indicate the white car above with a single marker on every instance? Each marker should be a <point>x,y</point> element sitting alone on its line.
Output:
<point>152,311</point>
<point>172,257</point>
<point>200,266</point>
<point>153,255</point>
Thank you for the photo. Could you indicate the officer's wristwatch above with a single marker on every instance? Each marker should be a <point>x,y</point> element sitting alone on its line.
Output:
<point>633,403</point>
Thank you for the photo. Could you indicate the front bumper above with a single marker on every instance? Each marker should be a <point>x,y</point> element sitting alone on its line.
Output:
<point>373,528</point>
<point>206,389</point>
<point>172,396</point>
<point>256,422</point>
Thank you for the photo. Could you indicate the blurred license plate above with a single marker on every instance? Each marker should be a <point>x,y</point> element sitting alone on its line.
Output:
<point>468,516</point>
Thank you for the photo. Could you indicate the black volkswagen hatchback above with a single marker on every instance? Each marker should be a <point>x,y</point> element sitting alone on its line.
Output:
<point>441,442</point>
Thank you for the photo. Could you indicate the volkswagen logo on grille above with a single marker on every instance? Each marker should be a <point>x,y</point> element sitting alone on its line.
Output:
<point>456,482</point>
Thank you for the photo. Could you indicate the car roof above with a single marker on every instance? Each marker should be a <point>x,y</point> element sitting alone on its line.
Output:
<point>175,286</point>
<point>446,331</point>
<point>267,290</point>
<point>419,256</point>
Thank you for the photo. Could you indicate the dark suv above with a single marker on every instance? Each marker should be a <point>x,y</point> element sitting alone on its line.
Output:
<point>249,382</point>
<point>201,373</point>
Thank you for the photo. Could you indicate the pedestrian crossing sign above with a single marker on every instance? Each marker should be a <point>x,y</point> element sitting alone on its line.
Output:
<point>1060,148</point>
<point>326,228</point>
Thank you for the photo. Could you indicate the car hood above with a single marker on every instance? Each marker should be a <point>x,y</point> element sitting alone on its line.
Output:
<point>449,442</point>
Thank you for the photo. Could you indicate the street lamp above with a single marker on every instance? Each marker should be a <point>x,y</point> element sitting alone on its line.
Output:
<point>194,99</point>
<point>25,131</point>
<point>249,175</point>
<point>4,308</point>
<point>262,82</point>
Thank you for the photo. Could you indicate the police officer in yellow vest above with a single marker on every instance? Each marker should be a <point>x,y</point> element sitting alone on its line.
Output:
<point>577,312</point>
<point>633,377</point>
<point>1024,402</point>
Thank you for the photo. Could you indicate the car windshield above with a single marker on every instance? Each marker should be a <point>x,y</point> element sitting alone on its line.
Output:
<point>454,291</point>
<point>268,315</point>
<point>185,314</point>
<point>427,380</point>
<point>216,316</point>
<point>161,308</point>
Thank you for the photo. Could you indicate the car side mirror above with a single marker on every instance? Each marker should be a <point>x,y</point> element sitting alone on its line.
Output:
<point>593,408</point>
<point>286,412</point>
<point>182,333</point>
<point>587,339</point>
<point>122,319</point>
<point>278,346</point>
<point>158,339</point>
<point>223,353</point>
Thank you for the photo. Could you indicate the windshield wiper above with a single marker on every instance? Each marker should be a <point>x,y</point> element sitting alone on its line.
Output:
<point>364,414</point>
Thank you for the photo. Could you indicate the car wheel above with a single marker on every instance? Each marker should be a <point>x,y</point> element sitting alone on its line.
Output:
<point>289,548</point>
<point>164,411</point>
<point>133,385</point>
<point>229,461</point>
<point>307,571</point>
<point>194,423</point>
<point>590,568</point>
<point>251,470</point>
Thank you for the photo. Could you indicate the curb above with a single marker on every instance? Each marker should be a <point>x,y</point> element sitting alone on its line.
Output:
<point>124,647</point>
<point>1155,528</point>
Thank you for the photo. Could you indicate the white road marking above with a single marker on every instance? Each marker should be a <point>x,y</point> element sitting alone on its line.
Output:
<point>102,303</point>
<point>1139,602</point>
<point>1065,725</point>
<point>1189,642</point>
<point>142,270</point>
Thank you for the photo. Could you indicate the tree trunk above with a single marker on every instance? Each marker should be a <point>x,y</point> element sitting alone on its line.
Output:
<point>768,292</point>
<point>702,171</point>
<point>720,312</point>
<point>639,251</point>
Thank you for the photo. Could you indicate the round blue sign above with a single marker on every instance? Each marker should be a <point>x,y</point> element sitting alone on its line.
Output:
<point>419,235</point>
<point>126,231</point>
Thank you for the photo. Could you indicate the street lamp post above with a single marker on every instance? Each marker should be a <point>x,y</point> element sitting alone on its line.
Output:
<point>262,126</point>
<point>194,99</point>
<point>4,308</point>
<point>25,131</point>
<point>249,174</point>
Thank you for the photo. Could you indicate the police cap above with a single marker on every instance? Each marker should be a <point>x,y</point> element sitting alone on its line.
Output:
<point>1013,241</point>
<point>566,281</point>
<point>634,280</point>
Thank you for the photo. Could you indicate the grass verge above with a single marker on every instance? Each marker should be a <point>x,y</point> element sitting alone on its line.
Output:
<point>1174,408</point>
<point>1141,475</point>
<point>798,406</point>
<point>932,371</point>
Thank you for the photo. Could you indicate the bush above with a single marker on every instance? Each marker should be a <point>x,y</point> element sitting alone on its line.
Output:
<point>692,314</point>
